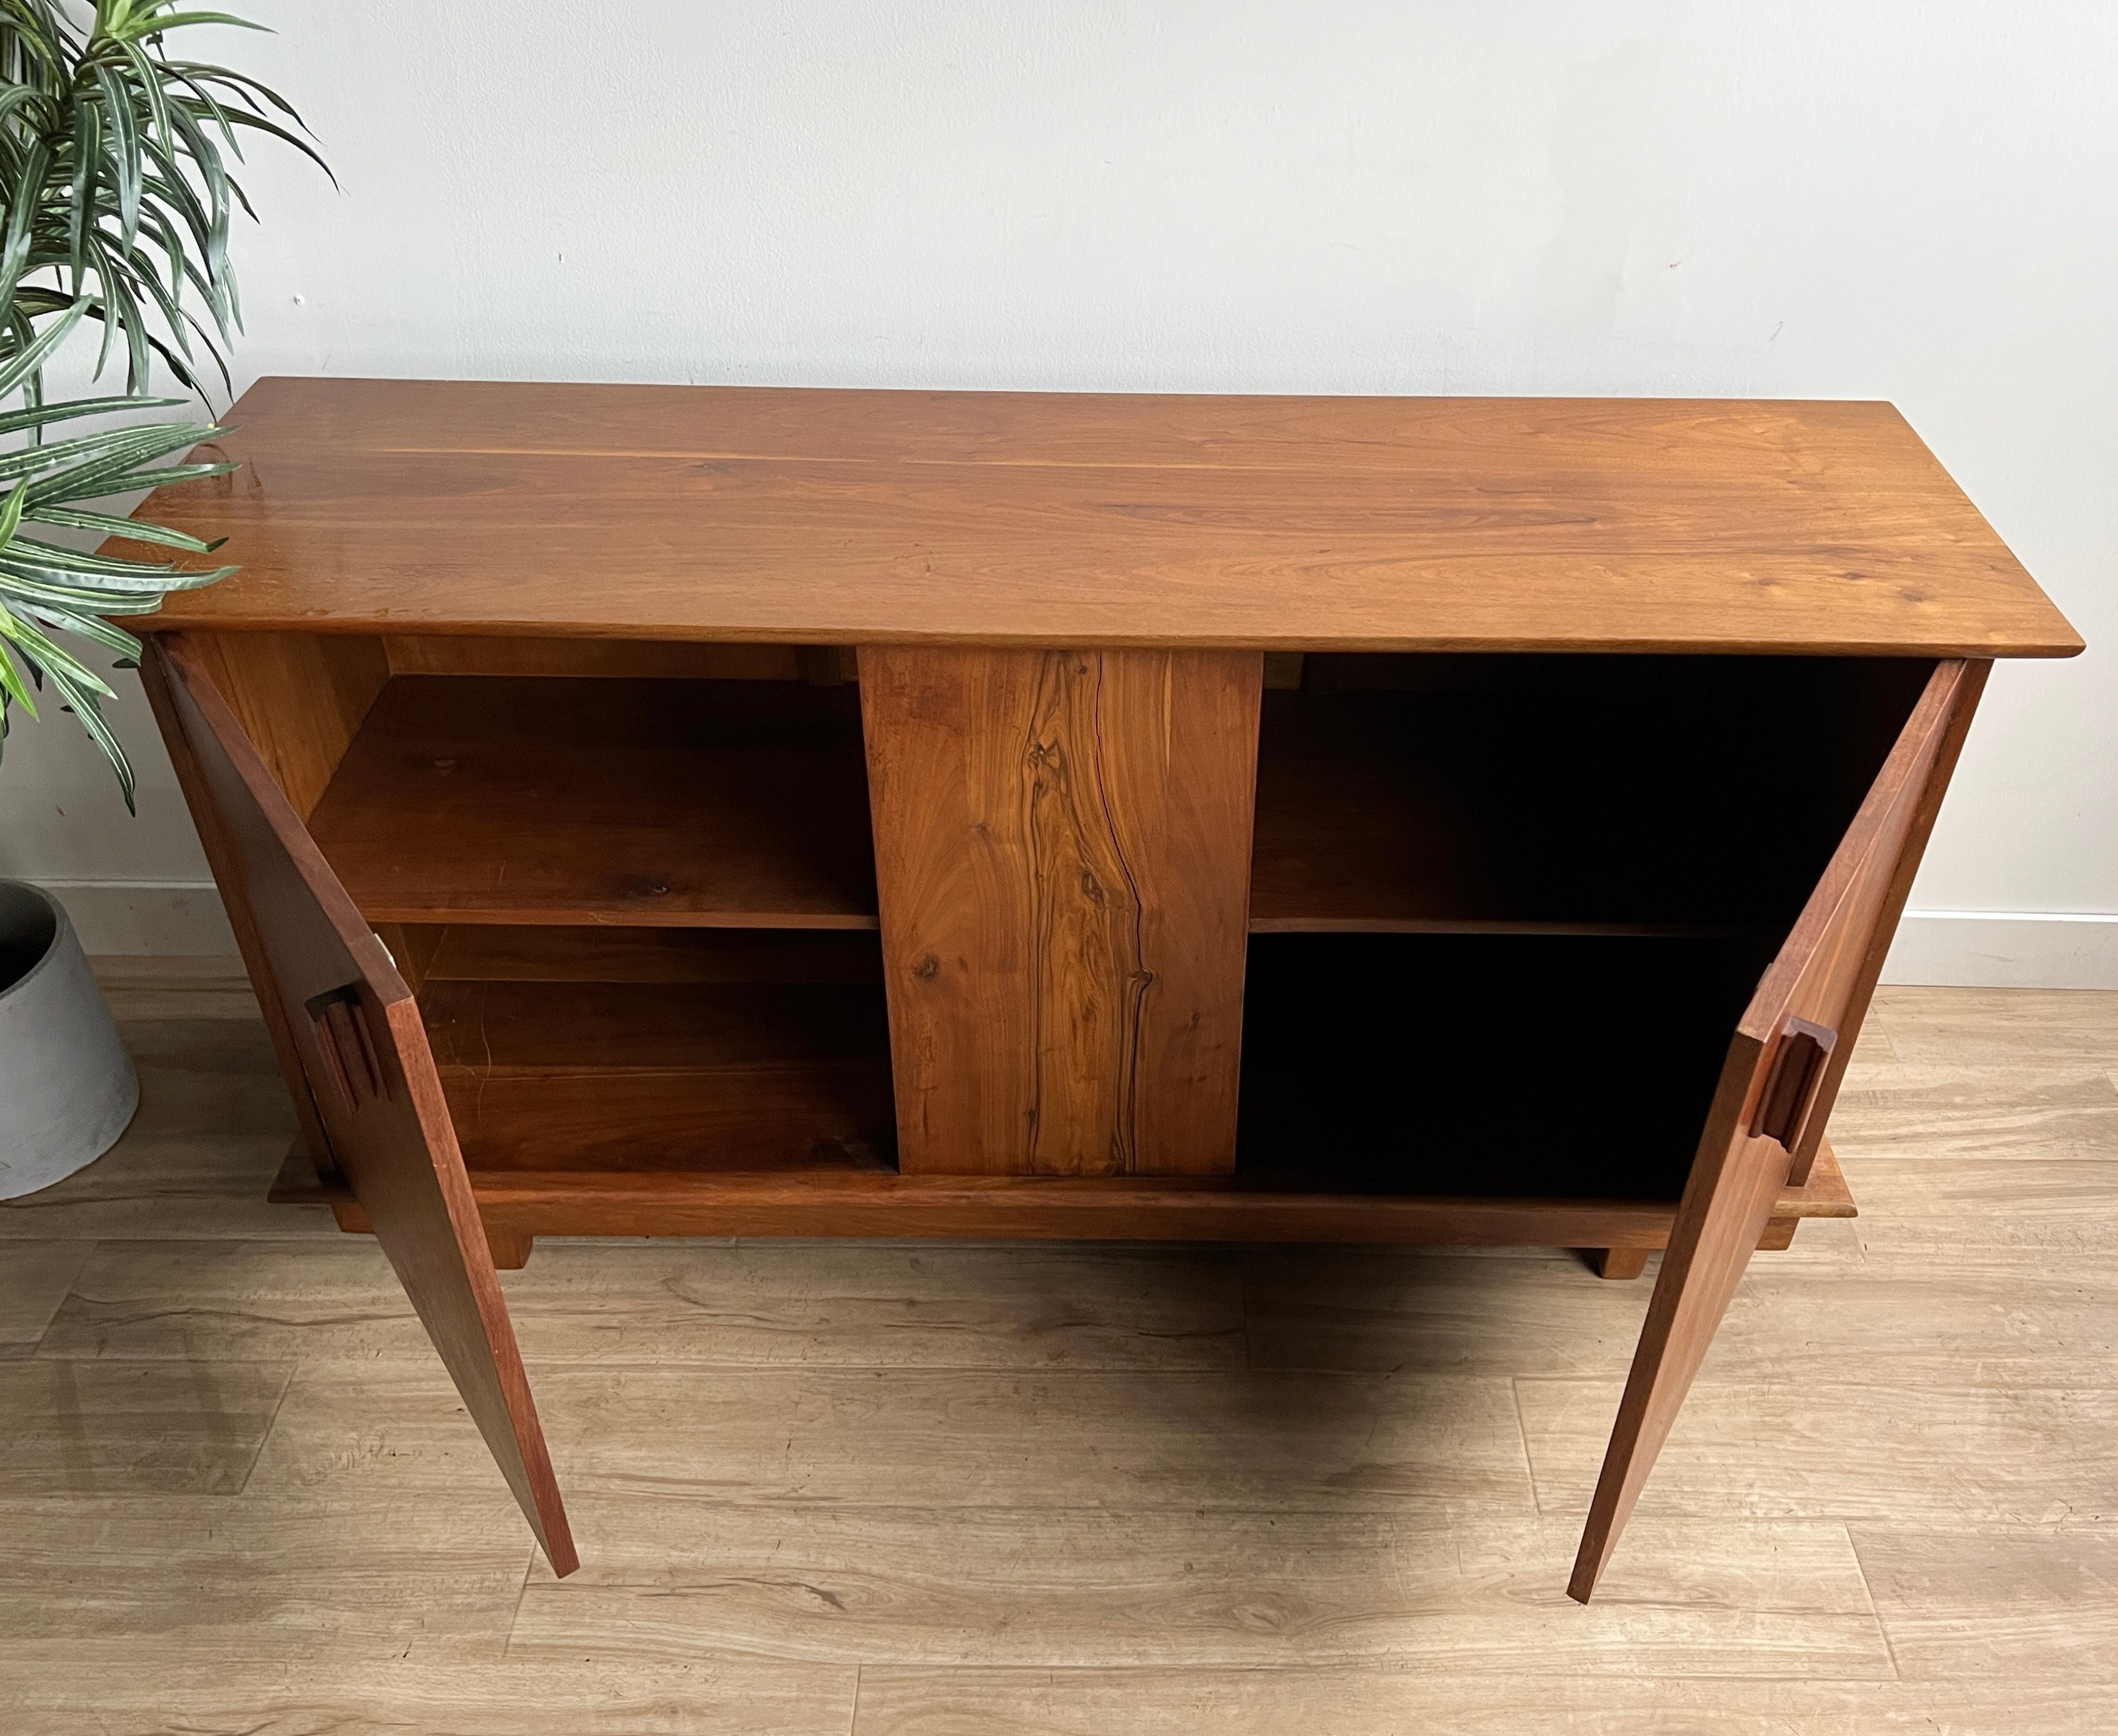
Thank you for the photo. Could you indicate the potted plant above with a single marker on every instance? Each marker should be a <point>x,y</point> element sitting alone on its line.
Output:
<point>114,164</point>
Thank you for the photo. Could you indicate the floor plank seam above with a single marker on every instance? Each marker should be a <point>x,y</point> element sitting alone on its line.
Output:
<point>272,1422</point>
<point>1529,1461</point>
<point>1882,1627</point>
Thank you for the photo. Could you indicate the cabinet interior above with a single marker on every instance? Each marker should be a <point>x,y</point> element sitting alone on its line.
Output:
<point>1505,910</point>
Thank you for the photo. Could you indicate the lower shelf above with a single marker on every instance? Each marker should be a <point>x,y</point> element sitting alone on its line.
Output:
<point>843,1200</point>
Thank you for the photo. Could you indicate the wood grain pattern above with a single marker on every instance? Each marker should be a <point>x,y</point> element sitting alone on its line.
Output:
<point>465,654</point>
<point>392,1140</point>
<point>1269,1591</point>
<point>132,1428</point>
<point>300,698</point>
<point>1070,521</point>
<point>1949,1397</point>
<point>442,1596</point>
<point>1062,841</point>
<point>479,952</point>
<point>1926,1457</point>
<point>1173,1699</point>
<point>666,803</point>
<point>693,1077</point>
<point>947,1442</point>
<point>345,1688</point>
<point>34,1281</point>
<point>1824,974</point>
<point>2037,1604</point>
<point>857,1197</point>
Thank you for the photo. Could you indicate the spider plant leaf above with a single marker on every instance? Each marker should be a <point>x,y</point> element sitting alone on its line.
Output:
<point>160,479</point>
<point>15,421</point>
<point>176,21</point>
<point>31,358</point>
<point>38,594</point>
<point>91,627</point>
<point>10,512</point>
<point>21,212</point>
<point>87,148</point>
<point>47,654</point>
<point>260,124</point>
<point>14,688</point>
<point>135,444</point>
<point>78,565</point>
<point>90,710</point>
<point>151,88</point>
<point>124,154</point>
<point>132,529</point>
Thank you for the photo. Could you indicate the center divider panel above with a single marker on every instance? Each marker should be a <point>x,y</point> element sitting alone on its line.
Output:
<point>1062,857</point>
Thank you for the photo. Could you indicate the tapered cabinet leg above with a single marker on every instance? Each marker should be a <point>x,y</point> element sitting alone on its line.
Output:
<point>1618,1262</point>
<point>511,1248</point>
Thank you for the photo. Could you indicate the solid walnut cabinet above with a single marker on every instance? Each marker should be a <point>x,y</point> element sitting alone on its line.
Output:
<point>669,811</point>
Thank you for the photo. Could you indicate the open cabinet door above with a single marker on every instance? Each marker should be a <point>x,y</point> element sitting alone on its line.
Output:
<point>1776,1090</point>
<point>356,1033</point>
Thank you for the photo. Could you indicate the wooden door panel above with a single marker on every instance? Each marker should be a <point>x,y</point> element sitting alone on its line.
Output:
<point>1062,852</point>
<point>361,1050</point>
<point>1776,1089</point>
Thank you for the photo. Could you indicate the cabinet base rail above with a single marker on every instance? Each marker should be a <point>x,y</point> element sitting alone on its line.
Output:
<point>521,1204</point>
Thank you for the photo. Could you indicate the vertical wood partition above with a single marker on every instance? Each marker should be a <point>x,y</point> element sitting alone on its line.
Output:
<point>1062,853</point>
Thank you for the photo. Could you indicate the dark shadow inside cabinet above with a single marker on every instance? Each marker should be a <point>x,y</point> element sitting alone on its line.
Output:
<point>1507,910</point>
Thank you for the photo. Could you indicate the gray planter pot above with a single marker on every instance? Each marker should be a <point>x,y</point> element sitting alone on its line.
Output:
<point>66,1086</point>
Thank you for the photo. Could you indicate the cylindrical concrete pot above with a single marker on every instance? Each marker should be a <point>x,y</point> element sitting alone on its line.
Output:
<point>66,1086</point>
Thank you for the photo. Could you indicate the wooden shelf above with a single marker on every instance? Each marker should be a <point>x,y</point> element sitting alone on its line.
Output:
<point>1561,795</point>
<point>844,1199</point>
<point>695,1075</point>
<point>544,799</point>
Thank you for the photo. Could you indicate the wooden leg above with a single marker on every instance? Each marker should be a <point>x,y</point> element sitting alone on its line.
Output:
<point>1779,1236</point>
<point>1725,1208</point>
<point>1618,1262</point>
<point>511,1248</point>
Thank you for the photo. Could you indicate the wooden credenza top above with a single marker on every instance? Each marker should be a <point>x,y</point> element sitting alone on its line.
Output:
<point>1079,520</point>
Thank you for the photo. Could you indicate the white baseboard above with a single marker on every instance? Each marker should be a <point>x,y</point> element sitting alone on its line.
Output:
<point>2005,949</point>
<point>1979,949</point>
<point>146,918</point>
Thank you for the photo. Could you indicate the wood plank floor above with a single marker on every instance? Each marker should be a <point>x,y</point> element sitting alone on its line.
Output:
<point>891,1489</point>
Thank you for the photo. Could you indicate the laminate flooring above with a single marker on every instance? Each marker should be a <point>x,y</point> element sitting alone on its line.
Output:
<point>901,1489</point>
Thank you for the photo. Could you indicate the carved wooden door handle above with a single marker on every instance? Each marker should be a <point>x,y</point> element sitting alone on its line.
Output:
<point>347,1050</point>
<point>1797,1069</point>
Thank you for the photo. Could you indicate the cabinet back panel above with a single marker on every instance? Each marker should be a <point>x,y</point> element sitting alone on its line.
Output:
<point>1669,795</point>
<point>466,653</point>
<point>674,1071</point>
<point>497,952</point>
<point>544,799</point>
<point>300,698</point>
<point>1530,1066</point>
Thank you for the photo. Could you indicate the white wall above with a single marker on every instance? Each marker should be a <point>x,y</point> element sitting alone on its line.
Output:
<point>1909,199</point>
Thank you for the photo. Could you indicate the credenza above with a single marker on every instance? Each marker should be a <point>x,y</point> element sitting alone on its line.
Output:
<point>671,811</point>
